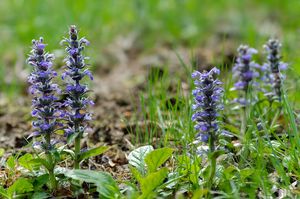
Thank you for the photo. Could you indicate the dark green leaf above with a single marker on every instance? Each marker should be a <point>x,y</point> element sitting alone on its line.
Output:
<point>40,180</point>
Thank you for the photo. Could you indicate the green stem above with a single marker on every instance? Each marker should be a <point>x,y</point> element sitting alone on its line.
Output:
<point>77,152</point>
<point>243,121</point>
<point>52,179</point>
<point>213,164</point>
<point>244,114</point>
<point>212,160</point>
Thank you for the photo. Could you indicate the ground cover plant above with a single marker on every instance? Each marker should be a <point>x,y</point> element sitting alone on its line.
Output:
<point>123,126</point>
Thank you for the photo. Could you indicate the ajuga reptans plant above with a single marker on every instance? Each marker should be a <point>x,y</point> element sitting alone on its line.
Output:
<point>244,71</point>
<point>207,104</point>
<point>44,104</point>
<point>272,68</point>
<point>76,101</point>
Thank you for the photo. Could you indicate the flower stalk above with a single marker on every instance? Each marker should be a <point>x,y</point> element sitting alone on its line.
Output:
<point>207,104</point>
<point>244,72</point>
<point>45,107</point>
<point>273,68</point>
<point>76,102</point>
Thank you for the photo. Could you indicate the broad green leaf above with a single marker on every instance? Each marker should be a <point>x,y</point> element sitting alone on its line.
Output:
<point>156,158</point>
<point>151,182</point>
<point>22,185</point>
<point>106,186</point>
<point>137,158</point>
<point>93,152</point>
<point>24,161</point>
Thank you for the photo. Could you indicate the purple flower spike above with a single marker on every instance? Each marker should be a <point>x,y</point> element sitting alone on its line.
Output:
<point>44,103</point>
<point>77,101</point>
<point>207,103</point>
<point>272,69</point>
<point>244,69</point>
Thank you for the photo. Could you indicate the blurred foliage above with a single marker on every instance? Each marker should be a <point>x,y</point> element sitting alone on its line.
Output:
<point>171,22</point>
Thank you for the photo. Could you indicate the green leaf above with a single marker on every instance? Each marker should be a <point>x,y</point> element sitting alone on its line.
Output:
<point>157,157</point>
<point>11,164</point>
<point>40,161</point>
<point>22,185</point>
<point>200,193</point>
<point>173,180</point>
<point>106,186</point>
<point>69,152</point>
<point>136,174</point>
<point>40,180</point>
<point>71,137</point>
<point>24,161</point>
<point>229,172</point>
<point>151,182</point>
<point>216,154</point>
<point>246,173</point>
<point>3,192</point>
<point>137,158</point>
<point>93,152</point>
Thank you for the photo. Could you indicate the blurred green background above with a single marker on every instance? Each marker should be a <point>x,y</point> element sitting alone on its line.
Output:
<point>189,23</point>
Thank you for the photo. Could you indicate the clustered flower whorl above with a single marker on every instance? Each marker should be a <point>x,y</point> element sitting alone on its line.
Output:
<point>44,103</point>
<point>273,67</point>
<point>244,70</point>
<point>207,103</point>
<point>76,69</point>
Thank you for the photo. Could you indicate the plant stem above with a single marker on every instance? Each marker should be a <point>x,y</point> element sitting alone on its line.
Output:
<point>77,152</point>
<point>243,121</point>
<point>212,160</point>
<point>52,179</point>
